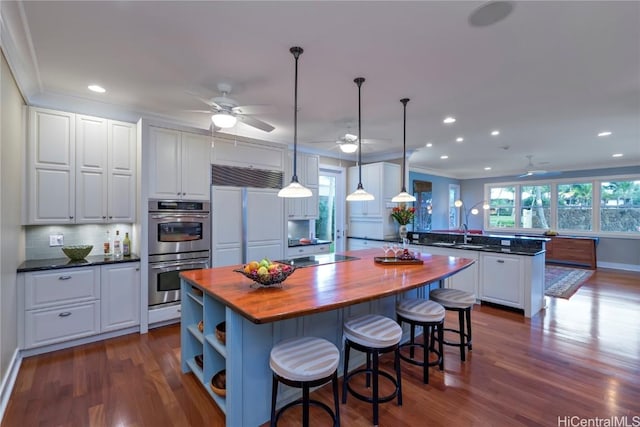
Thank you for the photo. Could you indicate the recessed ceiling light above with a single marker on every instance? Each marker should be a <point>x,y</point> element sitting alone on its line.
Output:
<point>617,155</point>
<point>605,133</point>
<point>487,168</point>
<point>97,88</point>
<point>444,157</point>
<point>448,120</point>
<point>495,132</point>
<point>459,139</point>
<point>429,145</point>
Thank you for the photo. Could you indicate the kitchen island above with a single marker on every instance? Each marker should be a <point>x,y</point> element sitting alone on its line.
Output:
<point>312,301</point>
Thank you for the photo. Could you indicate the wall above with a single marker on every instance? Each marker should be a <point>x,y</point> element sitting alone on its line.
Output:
<point>11,234</point>
<point>440,197</point>
<point>611,251</point>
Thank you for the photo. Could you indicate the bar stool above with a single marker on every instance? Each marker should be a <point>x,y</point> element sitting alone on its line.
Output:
<point>461,302</point>
<point>429,315</point>
<point>302,363</point>
<point>374,335</point>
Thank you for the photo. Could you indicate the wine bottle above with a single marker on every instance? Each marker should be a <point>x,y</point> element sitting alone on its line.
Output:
<point>107,245</point>
<point>126,245</point>
<point>117,249</point>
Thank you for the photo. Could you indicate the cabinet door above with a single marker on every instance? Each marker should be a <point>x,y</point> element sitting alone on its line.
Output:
<point>122,167</point>
<point>91,169</point>
<point>372,177</point>
<point>120,296</point>
<point>265,228</point>
<point>196,166</point>
<point>502,280</point>
<point>51,160</point>
<point>226,225</point>
<point>312,171</point>
<point>355,208</point>
<point>164,163</point>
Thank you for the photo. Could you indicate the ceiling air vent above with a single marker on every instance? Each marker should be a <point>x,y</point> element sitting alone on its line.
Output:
<point>233,176</point>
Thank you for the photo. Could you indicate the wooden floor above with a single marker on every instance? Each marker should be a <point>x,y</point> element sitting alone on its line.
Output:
<point>578,358</point>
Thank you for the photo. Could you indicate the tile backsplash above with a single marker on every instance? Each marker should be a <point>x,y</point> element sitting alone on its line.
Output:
<point>37,238</point>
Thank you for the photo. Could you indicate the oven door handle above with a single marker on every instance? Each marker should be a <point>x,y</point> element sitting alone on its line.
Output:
<point>179,216</point>
<point>178,264</point>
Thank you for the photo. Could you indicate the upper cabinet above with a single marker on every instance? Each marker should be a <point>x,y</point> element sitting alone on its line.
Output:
<point>247,154</point>
<point>372,219</point>
<point>80,169</point>
<point>307,169</point>
<point>179,165</point>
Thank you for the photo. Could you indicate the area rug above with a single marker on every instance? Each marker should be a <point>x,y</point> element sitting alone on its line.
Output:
<point>562,282</point>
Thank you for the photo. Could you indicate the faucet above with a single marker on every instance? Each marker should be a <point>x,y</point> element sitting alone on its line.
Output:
<point>465,229</point>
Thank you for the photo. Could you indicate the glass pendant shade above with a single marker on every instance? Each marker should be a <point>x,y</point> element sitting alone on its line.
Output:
<point>295,189</point>
<point>223,120</point>
<point>403,196</point>
<point>360,195</point>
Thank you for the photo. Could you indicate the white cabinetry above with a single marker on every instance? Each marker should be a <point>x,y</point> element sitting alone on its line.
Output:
<point>465,280</point>
<point>355,244</point>
<point>240,235</point>
<point>373,219</point>
<point>502,280</point>
<point>119,296</point>
<point>105,170</point>
<point>81,169</point>
<point>58,306</point>
<point>248,154</point>
<point>308,175</point>
<point>51,167</point>
<point>179,164</point>
<point>301,251</point>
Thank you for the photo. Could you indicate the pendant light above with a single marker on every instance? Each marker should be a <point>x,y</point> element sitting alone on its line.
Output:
<point>360,194</point>
<point>295,189</point>
<point>403,196</point>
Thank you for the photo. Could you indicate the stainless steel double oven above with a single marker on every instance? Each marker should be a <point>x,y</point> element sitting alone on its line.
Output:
<point>179,240</point>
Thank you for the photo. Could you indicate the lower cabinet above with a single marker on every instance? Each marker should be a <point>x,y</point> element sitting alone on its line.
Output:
<point>502,280</point>
<point>66,304</point>
<point>301,251</point>
<point>355,244</point>
<point>465,280</point>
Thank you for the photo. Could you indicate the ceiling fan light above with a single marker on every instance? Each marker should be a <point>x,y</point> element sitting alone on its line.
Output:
<point>403,197</point>
<point>349,147</point>
<point>294,190</point>
<point>360,195</point>
<point>223,120</point>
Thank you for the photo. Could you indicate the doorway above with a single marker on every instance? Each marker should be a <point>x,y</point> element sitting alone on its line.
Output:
<point>330,223</point>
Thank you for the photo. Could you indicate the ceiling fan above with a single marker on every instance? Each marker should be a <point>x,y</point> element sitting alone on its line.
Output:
<point>226,111</point>
<point>348,142</point>
<point>531,169</point>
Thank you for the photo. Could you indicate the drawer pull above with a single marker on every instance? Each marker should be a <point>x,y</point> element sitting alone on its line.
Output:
<point>64,314</point>
<point>501,261</point>
<point>64,277</point>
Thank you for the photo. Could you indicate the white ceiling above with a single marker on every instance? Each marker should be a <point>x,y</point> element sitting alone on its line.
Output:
<point>550,76</point>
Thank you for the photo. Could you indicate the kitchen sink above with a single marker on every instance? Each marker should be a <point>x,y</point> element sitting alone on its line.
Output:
<point>467,246</point>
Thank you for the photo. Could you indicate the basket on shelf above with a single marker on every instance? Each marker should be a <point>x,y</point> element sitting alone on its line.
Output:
<point>219,383</point>
<point>221,332</point>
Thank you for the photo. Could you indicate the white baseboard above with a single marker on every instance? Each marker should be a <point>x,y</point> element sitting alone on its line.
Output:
<point>619,266</point>
<point>9,381</point>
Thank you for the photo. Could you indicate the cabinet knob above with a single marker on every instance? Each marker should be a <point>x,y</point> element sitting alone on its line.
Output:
<point>104,217</point>
<point>501,261</point>
<point>110,217</point>
<point>71,217</point>
<point>64,314</point>
<point>64,277</point>
<point>184,194</point>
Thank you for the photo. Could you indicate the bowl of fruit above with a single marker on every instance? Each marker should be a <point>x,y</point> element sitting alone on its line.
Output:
<point>265,272</point>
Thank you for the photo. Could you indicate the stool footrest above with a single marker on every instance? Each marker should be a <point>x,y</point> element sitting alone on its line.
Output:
<point>381,399</point>
<point>467,341</point>
<point>414,361</point>
<point>311,402</point>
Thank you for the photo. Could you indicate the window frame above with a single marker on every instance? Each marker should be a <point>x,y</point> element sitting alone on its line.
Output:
<point>596,183</point>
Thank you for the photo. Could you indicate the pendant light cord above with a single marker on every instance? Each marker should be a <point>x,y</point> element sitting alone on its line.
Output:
<point>359,81</point>
<point>404,143</point>
<point>296,51</point>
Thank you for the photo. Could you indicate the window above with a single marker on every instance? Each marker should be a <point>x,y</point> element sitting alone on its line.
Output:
<point>620,206</point>
<point>535,206</point>
<point>502,205</point>
<point>423,204</point>
<point>454,194</point>
<point>575,206</point>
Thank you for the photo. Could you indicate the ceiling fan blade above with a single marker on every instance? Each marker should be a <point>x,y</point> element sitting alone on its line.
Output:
<point>376,141</point>
<point>258,124</point>
<point>253,109</point>
<point>199,111</point>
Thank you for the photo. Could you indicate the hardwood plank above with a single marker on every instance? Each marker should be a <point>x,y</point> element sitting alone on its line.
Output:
<point>577,357</point>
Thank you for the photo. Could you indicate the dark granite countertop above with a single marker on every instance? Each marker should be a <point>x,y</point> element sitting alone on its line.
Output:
<point>57,263</point>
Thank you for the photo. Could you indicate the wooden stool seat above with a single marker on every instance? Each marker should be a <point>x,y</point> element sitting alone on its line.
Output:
<point>303,363</point>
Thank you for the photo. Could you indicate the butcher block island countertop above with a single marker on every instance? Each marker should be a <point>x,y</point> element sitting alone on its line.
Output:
<point>321,288</point>
<point>313,301</point>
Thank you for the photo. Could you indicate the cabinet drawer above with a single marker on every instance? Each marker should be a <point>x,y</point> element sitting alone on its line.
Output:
<point>307,250</point>
<point>49,326</point>
<point>46,289</point>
